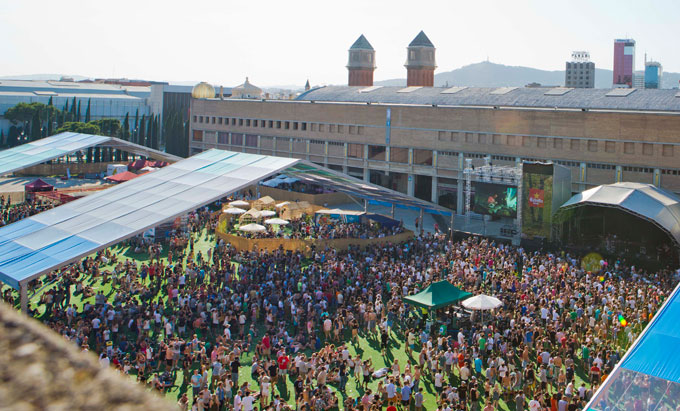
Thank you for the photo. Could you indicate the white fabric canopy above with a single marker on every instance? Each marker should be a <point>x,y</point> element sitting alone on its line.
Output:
<point>239,203</point>
<point>482,302</point>
<point>267,213</point>
<point>285,203</point>
<point>253,228</point>
<point>234,210</point>
<point>276,221</point>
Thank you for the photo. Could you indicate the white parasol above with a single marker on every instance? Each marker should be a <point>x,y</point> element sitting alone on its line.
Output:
<point>234,210</point>
<point>267,213</point>
<point>276,221</point>
<point>482,302</point>
<point>239,203</point>
<point>253,228</point>
<point>285,203</point>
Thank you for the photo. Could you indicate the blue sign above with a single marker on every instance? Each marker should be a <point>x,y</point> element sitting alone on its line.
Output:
<point>388,126</point>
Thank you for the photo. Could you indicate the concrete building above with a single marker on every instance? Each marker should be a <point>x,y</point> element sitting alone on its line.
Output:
<point>639,79</point>
<point>653,74</point>
<point>624,62</point>
<point>417,139</point>
<point>580,71</point>
<point>420,62</point>
<point>361,64</point>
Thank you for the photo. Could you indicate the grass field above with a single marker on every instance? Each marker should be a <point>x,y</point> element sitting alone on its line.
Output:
<point>368,346</point>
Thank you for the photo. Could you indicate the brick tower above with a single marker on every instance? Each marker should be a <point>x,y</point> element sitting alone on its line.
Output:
<point>361,63</point>
<point>420,63</point>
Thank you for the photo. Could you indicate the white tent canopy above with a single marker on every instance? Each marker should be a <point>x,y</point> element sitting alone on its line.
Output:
<point>239,203</point>
<point>276,221</point>
<point>482,303</point>
<point>267,213</point>
<point>253,228</point>
<point>234,211</point>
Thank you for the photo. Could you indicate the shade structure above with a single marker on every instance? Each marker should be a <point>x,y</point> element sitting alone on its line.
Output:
<point>234,211</point>
<point>252,213</point>
<point>122,177</point>
<point>276,221</point>
<point>62,144</point>
<point>38,185</point>
<point>239,203</point>
<point>267,213</point>
<point>437,295</point>
<point>482,302</point>
<point>266,200</point>
<point>285,203</point>
<point>253,228</point>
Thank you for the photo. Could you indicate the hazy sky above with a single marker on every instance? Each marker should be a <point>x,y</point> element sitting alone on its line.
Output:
<point>284,42</point>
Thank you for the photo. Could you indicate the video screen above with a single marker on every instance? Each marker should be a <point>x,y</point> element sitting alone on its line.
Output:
<point>496,200</point>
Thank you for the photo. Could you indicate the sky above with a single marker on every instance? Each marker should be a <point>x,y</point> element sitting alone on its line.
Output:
<point>286,42</point>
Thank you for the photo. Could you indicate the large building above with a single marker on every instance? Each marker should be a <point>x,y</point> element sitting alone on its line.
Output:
<point>580,71</point>
<point>653,73</point>
<point>416,139</point>
<point>624,62</point>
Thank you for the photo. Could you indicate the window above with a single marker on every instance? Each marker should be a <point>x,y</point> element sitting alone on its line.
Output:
<point>376,153</point>
<point>287,125</point>
<point>237,139</point>
<point>541,142</point>
<point>575,145</point>
<point>219,120</point>
<point>610,146</point>
<point>351,129</point>
<point>355,150</point>
<point>322,128</point>
<point>240,122</point>
<point>360,130</point>
<point>629,148</point>
<point>399,155</point>
<point>481,138</point>
<point>195,119</point>
<point>497,139</point>
<point>526,141</point>
<point>248,123</point>
<point>469,137</point>
<point>647,149</point>
<point>295,125</point>
<point>331,128</point>
<point>422,157</point>
<point>454,136</point>
<point>270,124</point>
<point>213,120</point>
<point>262,123</point>
<point>441,135</point>
<point>198,135</point>
<point>667,150</point>
<point>278,124</point>
<point>413,55</point>
<point>233,121</point>
<point>511,140</point>
<point>200,119</point>
<point>251,140</point>
<point>313,126</point>
<point>341,128</point>
<point>222,137</point>
<point>254,123</point>
<point>592,145</point>
<point>304,126</point>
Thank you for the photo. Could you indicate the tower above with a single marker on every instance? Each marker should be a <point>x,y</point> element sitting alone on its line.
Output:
<point>420,62</point>
<point>624,62</point>
<point>361,63</point>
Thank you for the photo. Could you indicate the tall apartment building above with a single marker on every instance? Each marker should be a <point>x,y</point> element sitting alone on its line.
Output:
<point>653,74</point>
<point>580,71</point>
<point>624,62</point>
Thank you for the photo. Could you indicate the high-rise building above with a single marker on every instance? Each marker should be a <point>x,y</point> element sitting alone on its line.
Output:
<point>639,79</point>
<point>580,71</point>
<point>653,72</point>
<point>624,62</point>
<point>361,63</point>
<point>420,62</point>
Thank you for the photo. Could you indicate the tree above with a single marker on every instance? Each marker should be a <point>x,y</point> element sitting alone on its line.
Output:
<point>13,136</point>
<point>76,127</point>
<point>78,112</point>
<point>108,126</point>
<point>149,131</point>
<point>140,131</point>
<point>32,117</point>
<point>74,104</point>
<point>2,137</point>
<point>87,111</point>
<point>49,103</point>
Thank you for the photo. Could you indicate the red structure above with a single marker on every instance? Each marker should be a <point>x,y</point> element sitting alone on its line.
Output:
<point>361,63</point>
<point>624,62</point>
<point>420,62</point>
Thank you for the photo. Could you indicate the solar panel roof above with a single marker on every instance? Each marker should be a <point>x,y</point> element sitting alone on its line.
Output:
<point>49,240</point>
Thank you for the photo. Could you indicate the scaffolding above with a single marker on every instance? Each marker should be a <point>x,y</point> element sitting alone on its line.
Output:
<point>489,173</point>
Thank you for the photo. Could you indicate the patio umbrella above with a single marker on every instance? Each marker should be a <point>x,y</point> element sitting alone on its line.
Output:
<point>482,302</point>
<point>267,213</point>
<point>285,203</point>
<point>276,221</point>
<point>253,228</point>
<point>234,210</point>
<point>239,203</point>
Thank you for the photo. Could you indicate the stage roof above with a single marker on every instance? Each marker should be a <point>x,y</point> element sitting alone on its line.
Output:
<point>644,200</point>
<point>39,244</point>
<point>654,357</point>
<point>49,148</point>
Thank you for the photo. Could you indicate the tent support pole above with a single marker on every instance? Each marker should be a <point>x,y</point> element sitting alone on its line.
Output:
<point>24,297</point>
<point>365,205</point>
<point>422,223</point>
<point>451,226</point>
<point>392,211</point>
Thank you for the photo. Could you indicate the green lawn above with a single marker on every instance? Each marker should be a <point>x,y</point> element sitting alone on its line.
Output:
<point>368,346</point>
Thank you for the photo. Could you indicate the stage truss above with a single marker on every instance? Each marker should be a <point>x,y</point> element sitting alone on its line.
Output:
<point>489,173</point>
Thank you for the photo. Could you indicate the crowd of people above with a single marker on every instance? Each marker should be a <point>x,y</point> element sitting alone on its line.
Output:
<point>11,213</point>
<point>307,229</point>
<point>287,319</point>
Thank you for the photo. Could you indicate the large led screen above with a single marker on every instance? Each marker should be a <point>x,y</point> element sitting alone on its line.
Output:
<point>496,200</point>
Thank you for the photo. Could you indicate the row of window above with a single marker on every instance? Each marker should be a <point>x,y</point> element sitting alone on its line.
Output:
<point>281,124</point>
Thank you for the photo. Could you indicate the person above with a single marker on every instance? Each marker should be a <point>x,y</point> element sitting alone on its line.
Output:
<point>196,383</point>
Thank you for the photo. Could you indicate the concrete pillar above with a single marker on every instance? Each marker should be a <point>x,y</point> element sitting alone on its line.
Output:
<point>365,205</point>
<point>387,155</point>
<point>325,153</point>
<point>619,174</point>
<point>24,297</point>
<point>657,177</point>
<point>392,211</point>
<point>422,218</point>
<point>582,176</point>
<point>344,158</point>
<point>411,186</point>
<point>367,174</point>
<point>259,144</point>
<point>434,197</point>
<point>307,149</point>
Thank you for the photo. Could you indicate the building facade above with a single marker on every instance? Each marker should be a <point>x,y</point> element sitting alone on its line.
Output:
<point>417,141</point>
<point>624,62</point>
<point>653,73</point>
<point>580,71</point>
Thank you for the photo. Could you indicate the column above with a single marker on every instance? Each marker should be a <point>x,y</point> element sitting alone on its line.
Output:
<point>366,171</point>
<point>392,211</point>
<point>410,187</point>
<point>24,297</point>
<point>325,153</point>
<point>365,205</point>
<point>307,149</point>
<point>367,175</point>
<point>435,197</point>
<point>344,159</point>
<point>460,194</point>
<point>657,177</point>
<point>583,167</point>
<point>259,145</point>
<point>422,222</point>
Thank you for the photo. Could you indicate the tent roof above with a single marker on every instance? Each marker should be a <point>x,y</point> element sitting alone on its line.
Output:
<point>340,212</point>
<point>39,183</point>
<point>49,148</point>
<point>647,201</point>
<point>122,177</point>
<point>437,295</point>
<point>39,244</point>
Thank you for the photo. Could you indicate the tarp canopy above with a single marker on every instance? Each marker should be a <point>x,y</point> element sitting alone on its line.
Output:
<point>62,144</point>
<point>38,185</point>
<point>337,211</point>
<point>437,295</point>
<point>122,177</point>
<point>656,205</point>
<point>44,242</point>
<point>384,220</point>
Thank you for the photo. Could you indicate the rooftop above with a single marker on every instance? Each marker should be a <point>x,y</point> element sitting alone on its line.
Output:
<point>361,44</point>
<point>656,100</point>
<point>421,40</point>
